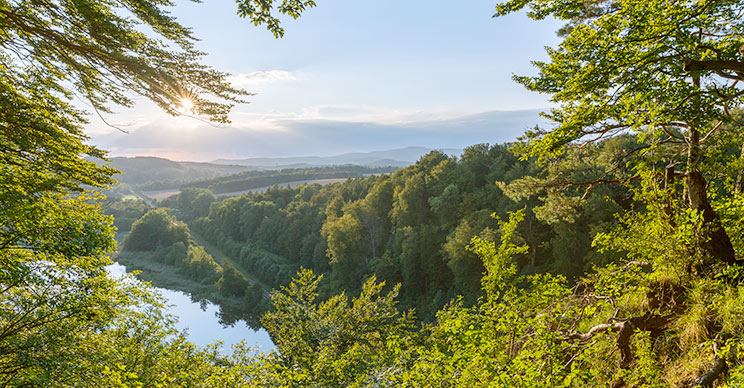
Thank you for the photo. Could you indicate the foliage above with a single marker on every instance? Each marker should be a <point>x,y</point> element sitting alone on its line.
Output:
<point>168,241</point>
<point>628,65</point>
<point>137,346</point>
<point>666,73</point>
<point>333,343</point>
<point>414,226</point>
<point>156,228</point>
<point>659,304</point>
<point>195,201</point>
<point>53,238</point>
<point>231,282</point>
<point>63,320</point>
<point>640,88</point>
<point>260,12</point>
<point>125,211</point>
<point>93,50</point>
<point>180,263</point>
<point>528,330</point>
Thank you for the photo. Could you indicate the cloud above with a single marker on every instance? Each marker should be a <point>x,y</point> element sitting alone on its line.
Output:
<point>302,136</point>
<point>260,78</point>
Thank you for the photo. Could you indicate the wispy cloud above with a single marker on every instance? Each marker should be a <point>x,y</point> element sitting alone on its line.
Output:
<point>261,78</point>
<point>306,135</point>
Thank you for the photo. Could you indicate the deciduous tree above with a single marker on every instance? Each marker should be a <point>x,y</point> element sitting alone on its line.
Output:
<point>666,71</point>
<point>53,241</point>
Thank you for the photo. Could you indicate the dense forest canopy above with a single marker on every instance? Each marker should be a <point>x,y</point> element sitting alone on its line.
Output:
<point>412,227</point>
<point>601,251</point>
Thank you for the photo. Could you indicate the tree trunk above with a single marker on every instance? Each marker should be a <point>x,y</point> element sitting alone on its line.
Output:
<point>717,243</point>
<point>707,379</point>
<point>671,192</point>
<point>739,186</point>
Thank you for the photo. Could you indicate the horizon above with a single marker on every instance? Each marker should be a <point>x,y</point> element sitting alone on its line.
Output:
<point>311,139</point>
<point>225,161</point>
<point>350,78</point>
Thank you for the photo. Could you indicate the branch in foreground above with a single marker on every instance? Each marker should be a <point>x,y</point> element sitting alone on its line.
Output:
<point>611,327</point>
<point>707,379</point>
<point>626,327</point>
<point>691,65</point>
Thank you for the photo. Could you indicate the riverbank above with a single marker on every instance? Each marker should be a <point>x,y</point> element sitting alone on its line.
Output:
<point>153,267</point>
<point>201,320</point>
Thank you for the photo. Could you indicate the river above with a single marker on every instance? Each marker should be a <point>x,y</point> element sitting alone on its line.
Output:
<point>201,323</point>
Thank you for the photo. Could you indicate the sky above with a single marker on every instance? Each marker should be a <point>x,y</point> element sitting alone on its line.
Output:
<point>351,76</point>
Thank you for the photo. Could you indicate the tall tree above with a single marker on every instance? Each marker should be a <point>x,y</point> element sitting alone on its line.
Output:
<point>667,71</point>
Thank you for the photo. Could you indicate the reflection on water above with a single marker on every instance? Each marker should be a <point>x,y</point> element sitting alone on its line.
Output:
<point>201,320</point>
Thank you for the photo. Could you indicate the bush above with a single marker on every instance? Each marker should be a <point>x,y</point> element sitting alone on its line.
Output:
<point>232,282</point>
<point>156,228</point>
<point>200,265</point>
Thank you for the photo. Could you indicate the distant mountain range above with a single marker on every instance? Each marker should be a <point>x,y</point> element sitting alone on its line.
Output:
<point>153,173</point>
<point>401,157</point>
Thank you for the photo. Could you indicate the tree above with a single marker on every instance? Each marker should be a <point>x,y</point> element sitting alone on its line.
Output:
<point>231,281</point>
<point>668,72</point>
<point>53,241</point>
<point>196,201</point>
<point>125,210</point>
<point>156,229</point>
<point>337,342</point>
<point>92,49</point>
<point>466,267</point>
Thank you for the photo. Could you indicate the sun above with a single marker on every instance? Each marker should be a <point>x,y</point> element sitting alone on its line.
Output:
<point>187,104</point>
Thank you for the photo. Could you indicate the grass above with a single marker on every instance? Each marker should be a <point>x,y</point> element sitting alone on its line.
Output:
<point>167,276</point>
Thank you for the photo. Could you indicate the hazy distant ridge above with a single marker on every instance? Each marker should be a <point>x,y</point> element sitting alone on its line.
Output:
<point>144,169</point>
<point>154,173</point>
<point>398,157</point>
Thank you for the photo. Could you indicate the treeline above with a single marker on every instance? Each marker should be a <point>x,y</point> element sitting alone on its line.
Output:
<point>256,179</point>
<point>414,227</point>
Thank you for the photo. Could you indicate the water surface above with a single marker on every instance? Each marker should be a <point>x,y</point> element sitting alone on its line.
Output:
<point>201,322</point>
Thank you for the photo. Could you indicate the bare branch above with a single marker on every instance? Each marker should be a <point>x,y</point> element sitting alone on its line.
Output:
<point>691,65</point>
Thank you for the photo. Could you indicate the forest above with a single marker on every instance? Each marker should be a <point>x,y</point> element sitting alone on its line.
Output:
<point>412,228</point>
<point>604,250</point>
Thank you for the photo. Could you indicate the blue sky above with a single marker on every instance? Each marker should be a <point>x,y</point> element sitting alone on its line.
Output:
<point>352,75</point>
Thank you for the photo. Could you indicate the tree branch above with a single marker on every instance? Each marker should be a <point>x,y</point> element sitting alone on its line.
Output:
<point>610,327</point>
<point>707,379</point>
<point>564,183</point>
<point>691,65</point>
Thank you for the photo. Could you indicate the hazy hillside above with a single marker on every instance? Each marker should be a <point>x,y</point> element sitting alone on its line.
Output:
<point>401,157</point>
<point>141,170</point>
<point>153,173</point>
